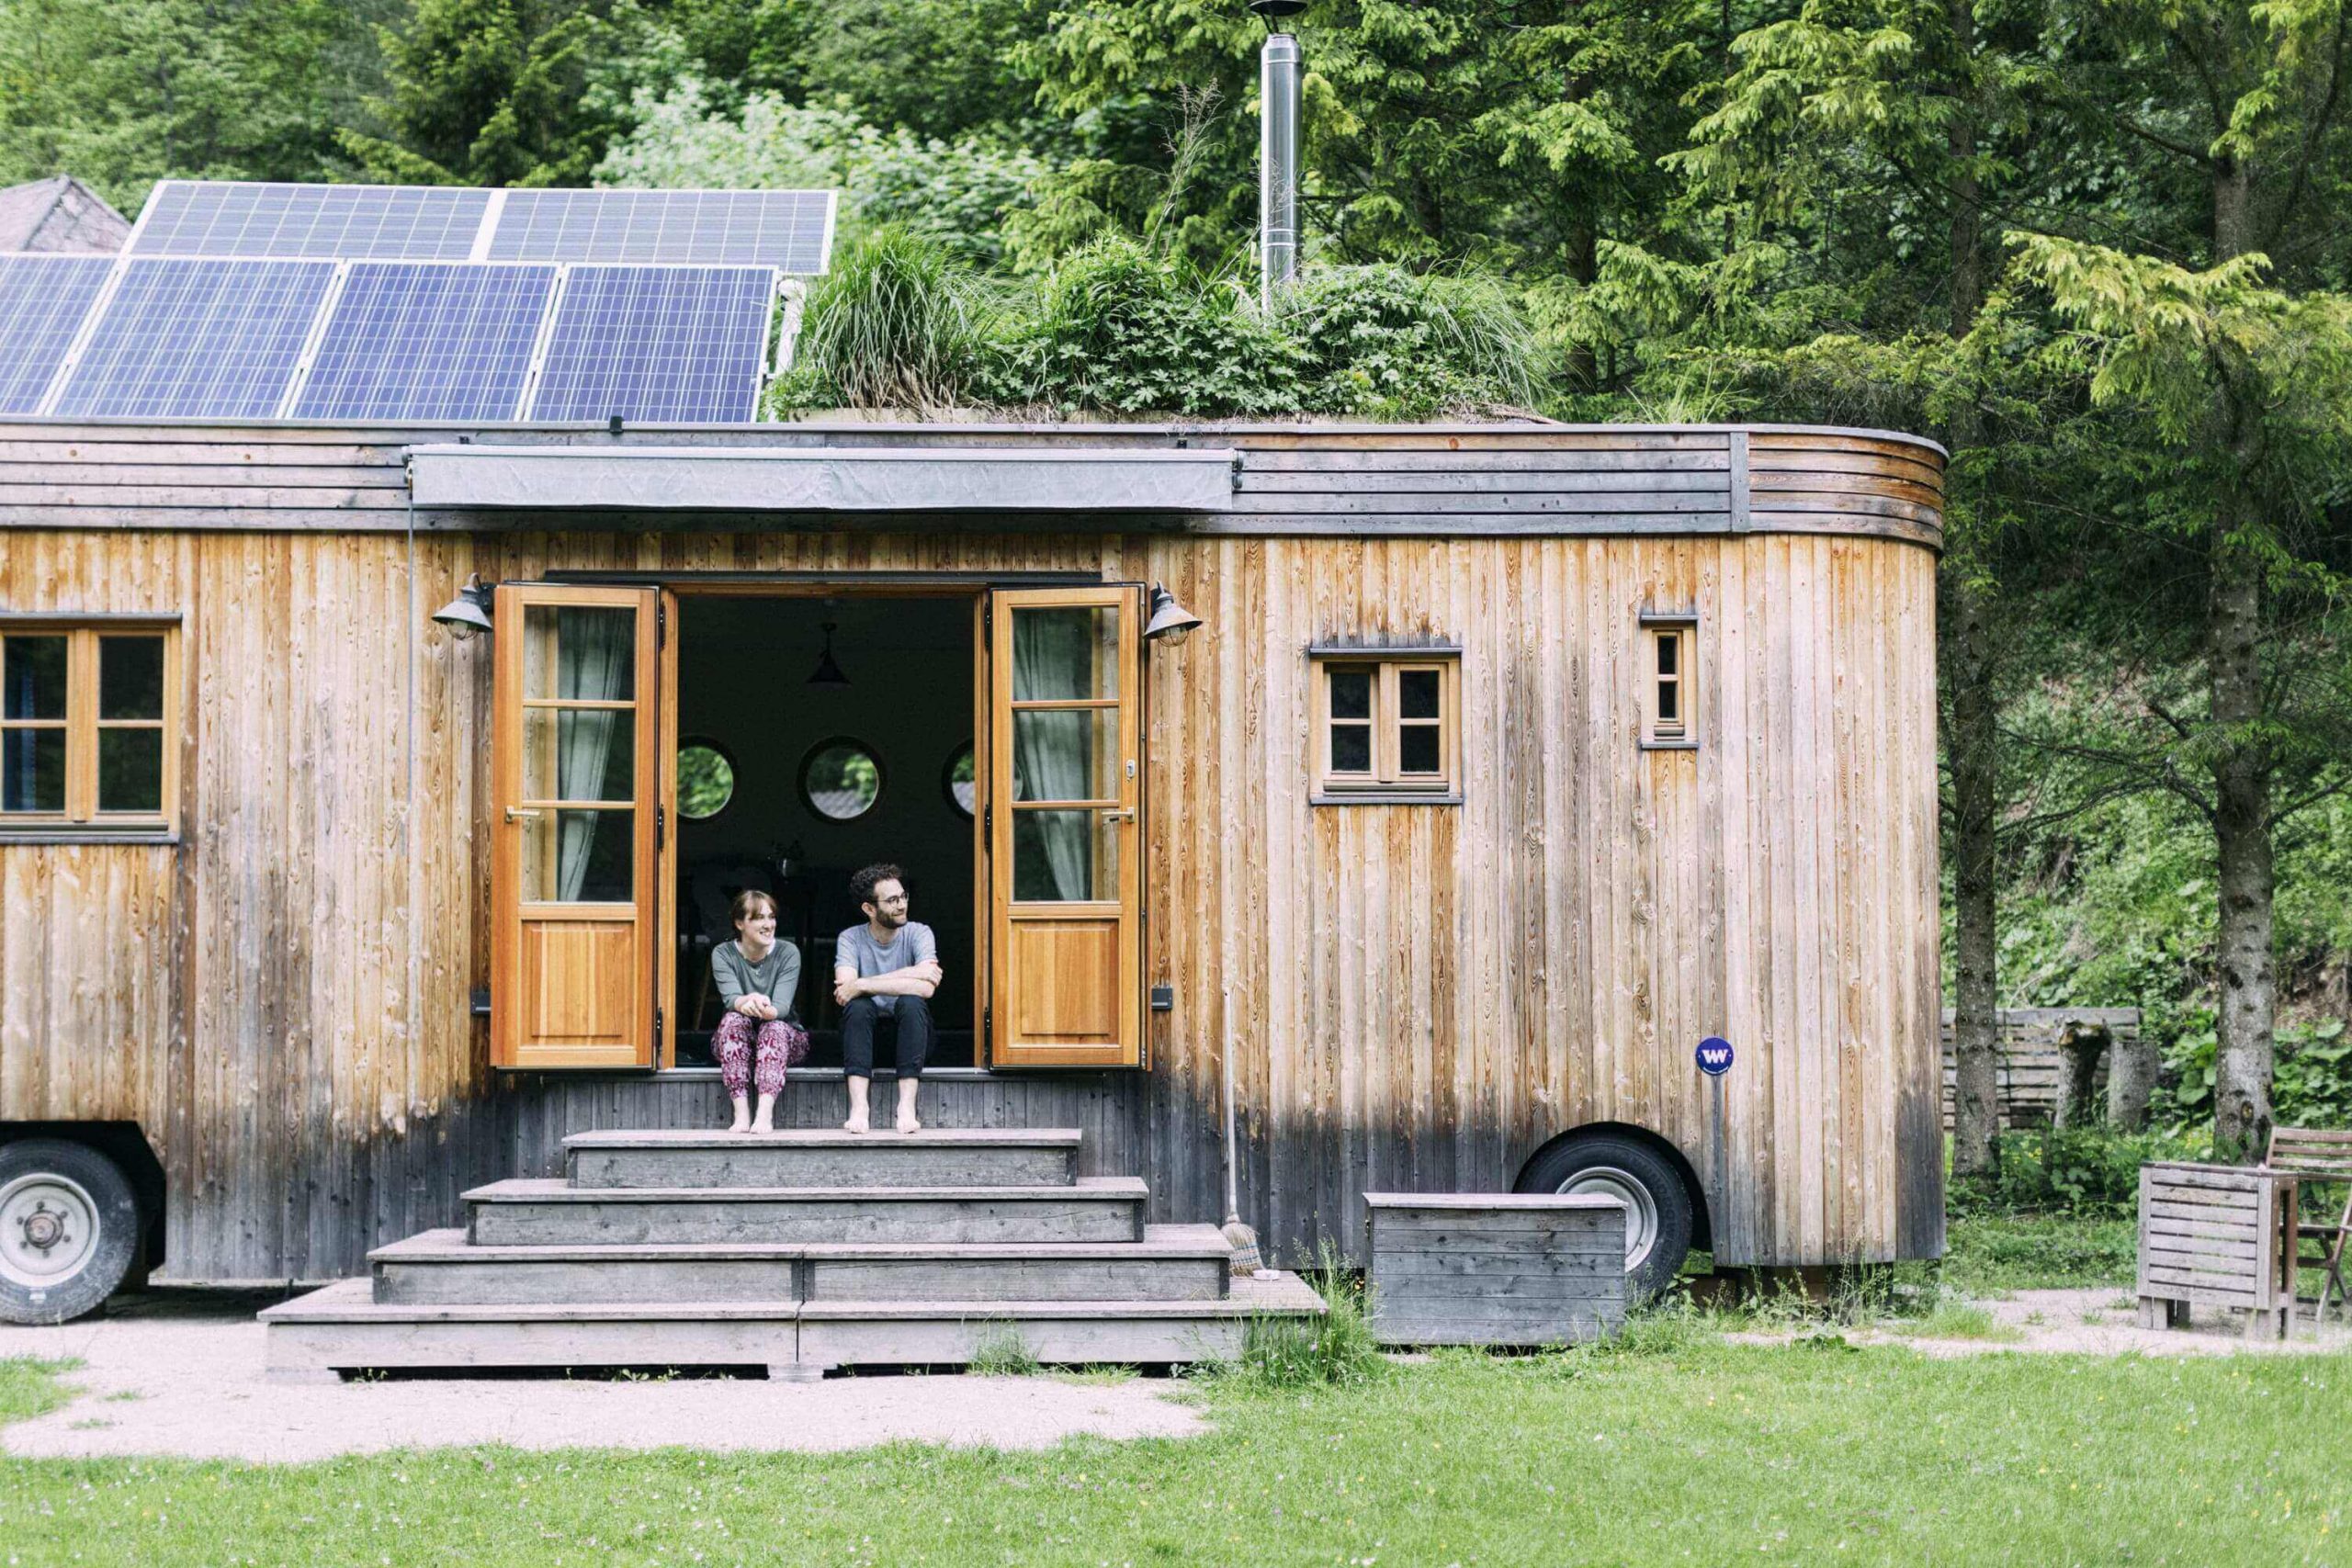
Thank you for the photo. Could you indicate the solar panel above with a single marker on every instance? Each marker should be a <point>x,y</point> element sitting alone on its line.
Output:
<point>197,340</point>
<point>42,301</point>
<point>422,341</point>
<point>668,343</point>
<point>787,229</point>
<point>189,218</point>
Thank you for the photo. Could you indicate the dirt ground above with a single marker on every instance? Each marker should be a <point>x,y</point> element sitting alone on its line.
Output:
<point>180,1374</point>
<point>2100,1323</point>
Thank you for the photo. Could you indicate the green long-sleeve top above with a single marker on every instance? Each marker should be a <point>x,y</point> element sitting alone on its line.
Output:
<point>776,977</point>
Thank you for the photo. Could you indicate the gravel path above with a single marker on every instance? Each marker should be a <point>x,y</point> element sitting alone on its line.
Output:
<point>2101,1322</point>
<point>181,1376</point>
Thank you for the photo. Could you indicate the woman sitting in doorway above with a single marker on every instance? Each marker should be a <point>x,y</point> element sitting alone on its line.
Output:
<point>757,978</point>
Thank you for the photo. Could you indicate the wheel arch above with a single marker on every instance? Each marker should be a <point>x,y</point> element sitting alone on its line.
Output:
<point>125,1142</point>
<point>1701,1223</point>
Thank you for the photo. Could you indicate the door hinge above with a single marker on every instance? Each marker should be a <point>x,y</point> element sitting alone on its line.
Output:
<point>987,822</point>
<point>660,827</point>
<point>988,1029</point>
<point>660,623</point>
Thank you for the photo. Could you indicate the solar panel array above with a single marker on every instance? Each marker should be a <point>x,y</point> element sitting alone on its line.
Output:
<point>248,301</point>
<point>651,343</point>
<point>411,341</point>
<point>789,230</point>
<point>42,301</point>
<point>198,339</point>
<point>184,217</point>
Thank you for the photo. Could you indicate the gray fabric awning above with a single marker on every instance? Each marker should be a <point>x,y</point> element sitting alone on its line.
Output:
<point>822,479</point>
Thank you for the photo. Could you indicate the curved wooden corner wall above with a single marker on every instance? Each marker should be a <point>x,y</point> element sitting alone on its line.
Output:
<point>1417,996</point>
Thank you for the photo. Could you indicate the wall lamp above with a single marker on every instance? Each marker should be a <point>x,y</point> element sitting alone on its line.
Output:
<point>469,612</point>
<point>1169,619</point>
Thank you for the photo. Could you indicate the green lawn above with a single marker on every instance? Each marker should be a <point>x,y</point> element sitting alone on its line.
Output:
<point>1694,1451</point>
<point>1989,1253</point>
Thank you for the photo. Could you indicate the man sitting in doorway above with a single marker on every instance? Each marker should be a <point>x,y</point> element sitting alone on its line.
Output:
<point>884,973</point>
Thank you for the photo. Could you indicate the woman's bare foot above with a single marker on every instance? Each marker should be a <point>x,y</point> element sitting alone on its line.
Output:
<point>763,1125</point>
<point>739,1125</point>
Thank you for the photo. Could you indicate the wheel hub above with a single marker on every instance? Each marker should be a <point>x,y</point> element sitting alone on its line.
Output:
<point>49,1229</point>
<point>1641,1207</point>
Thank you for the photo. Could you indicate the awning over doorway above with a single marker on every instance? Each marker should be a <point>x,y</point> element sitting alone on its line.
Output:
<point>821,479</point>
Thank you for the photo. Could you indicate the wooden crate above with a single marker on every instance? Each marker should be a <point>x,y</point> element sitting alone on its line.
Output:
<point>1495,1269</point>
<point>2216,1236</point>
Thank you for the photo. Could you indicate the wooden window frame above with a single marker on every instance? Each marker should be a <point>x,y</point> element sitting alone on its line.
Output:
<point>80,818</point>
<point>1386,782</point>
<point>1680,733</point>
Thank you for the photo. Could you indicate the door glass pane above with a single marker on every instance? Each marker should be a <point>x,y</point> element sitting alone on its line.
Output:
<point>1065,653</point>
<point>1060,857</point>
<point>578,857</point>
<point>576,651</point>
<point>130,770</point>
<point>32,769</point>
<point>1350,694</point>
<point>1352,747</point>
<point>1066,754</point>
<point>1416,749</point>
<point>1416,693</point>
<point>579,754</point>
<point>32,677</point>
<point>130,677</point>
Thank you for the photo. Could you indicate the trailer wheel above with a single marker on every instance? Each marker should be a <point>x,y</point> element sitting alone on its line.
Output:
<point>69,1230</point>
<point>1657,1206</point>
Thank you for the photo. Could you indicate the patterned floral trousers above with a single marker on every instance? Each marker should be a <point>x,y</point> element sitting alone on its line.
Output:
<point>750,1051</point>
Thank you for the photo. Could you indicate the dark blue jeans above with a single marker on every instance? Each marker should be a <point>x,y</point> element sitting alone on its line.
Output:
<point>908,1024</point>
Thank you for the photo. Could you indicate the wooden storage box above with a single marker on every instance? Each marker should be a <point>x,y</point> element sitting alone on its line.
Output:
<point>1495,1269</point>
<point>2218,1236</point>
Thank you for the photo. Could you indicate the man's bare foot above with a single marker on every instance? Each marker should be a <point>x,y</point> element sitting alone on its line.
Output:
<point>907,1123</point>
<point>855,1124</point>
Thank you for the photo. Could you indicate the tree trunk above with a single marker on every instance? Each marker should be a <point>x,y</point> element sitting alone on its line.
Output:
<point>2131,1079</point>
<point>2241,770</point>
<point>2080,1045</point>
<point>1971,740</point>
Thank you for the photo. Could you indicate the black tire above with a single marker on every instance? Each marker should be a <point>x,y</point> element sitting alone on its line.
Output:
<point>1614,1164</point>
<point>69,1230</point>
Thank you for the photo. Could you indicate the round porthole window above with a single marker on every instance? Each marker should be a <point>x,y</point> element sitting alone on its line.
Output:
<point>705,780</point>
<point>841,779</point>
<point>963,789</point>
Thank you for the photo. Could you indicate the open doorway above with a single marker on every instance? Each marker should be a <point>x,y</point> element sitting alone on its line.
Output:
<point>805,753</point>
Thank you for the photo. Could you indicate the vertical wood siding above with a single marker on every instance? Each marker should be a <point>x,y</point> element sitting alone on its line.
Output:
<point>1416,997</point>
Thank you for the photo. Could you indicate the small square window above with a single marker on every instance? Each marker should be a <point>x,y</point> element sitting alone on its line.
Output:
<point>87,717</point>
<point>1670,683</point>
<point>1384,727</point>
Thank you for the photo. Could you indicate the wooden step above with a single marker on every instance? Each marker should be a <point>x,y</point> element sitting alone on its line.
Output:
<point>342,1328</point>
<point>532,1212</point>
<point>989,1157</point>
<point>1170,1263</point>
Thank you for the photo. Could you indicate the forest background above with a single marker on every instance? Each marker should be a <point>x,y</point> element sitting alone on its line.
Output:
<point>2101,249</point>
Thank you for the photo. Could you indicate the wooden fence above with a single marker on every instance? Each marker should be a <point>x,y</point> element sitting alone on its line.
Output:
<point>2030,1065</point>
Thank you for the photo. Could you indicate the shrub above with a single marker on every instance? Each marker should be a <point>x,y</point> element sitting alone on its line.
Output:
<point>1334,1350</point>
<point>1002,1353</point>
<point>894,324</point>
<point>1382,343</point>
<point>2088,1171</point>
<point>1117,328</point>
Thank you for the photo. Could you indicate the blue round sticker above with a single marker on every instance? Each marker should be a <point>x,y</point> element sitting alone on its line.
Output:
<point>1714,1056</point>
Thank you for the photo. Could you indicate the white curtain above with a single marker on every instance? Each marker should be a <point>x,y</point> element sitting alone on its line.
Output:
<point>1053,657</point>
<point>593,648</point>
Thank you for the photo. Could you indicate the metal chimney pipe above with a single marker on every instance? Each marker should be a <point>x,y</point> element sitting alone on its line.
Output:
<point>1278,74</point>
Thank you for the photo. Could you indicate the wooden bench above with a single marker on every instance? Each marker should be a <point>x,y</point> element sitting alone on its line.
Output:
<point>2217,1236</point>
<point>2321,1157</point>
<point>1495,1267</point>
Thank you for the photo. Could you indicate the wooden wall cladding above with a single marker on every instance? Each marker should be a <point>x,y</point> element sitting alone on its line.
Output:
<point>1417,995</point>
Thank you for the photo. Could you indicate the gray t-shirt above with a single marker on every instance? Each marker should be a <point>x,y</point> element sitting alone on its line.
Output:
<point>776,977</point>
<point>857,950</point>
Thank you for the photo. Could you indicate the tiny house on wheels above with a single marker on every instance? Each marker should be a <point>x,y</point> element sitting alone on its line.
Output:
<point>1505,764</point>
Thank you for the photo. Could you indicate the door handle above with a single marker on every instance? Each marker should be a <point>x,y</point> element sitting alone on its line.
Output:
<point>1124,814</point>
<point>517,812</point>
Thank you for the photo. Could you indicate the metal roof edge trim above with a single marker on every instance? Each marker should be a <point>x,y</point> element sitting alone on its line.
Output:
<point>829,478</point>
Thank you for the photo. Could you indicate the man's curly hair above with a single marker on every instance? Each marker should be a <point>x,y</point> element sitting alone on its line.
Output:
<point>862,885</point>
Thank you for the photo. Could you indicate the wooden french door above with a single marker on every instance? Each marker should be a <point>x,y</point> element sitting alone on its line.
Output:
<point>576,809</point>
<point>1064,763</point>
